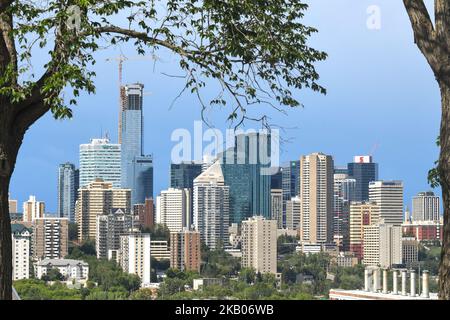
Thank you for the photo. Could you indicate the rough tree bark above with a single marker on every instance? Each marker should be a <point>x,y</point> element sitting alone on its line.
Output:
<point>433,40</point>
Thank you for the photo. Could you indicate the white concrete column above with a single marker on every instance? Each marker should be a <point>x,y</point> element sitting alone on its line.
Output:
<point>375,280</point>
<point>403,282</point>
<point>412,285</point>
<point>385,281</point>
<point>394,282</point>
<point>366,280</point>
<point>425,284</point>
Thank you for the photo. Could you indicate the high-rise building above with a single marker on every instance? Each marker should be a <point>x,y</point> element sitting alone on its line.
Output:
<point>291,179</point>
<point>145,213</point>
<point>33,209</point>
<point>426,207</point>
<point>344,193</point>
<point>68,184</point>
<point>50,238</point>
<point>246,168</point>
<point>293,213</point>
<point>185,252</point>
<point>364,171</point>
<point>277,206</point>
<point>276,180</point>
<point>100,159</point>
<point>361,214</point>
<point>316,197</point>
<point>173,208</point>
<point>136,169</point>
<point>135,256</point>
<point>21,247</point>
<point>182,174</point>
<point>388,195</point>
<point>211,207</point>
<point>12,205</point>
<point>259,244</point>
<point>382,245</point>
<point>109,229</point>
<point>98,198</point>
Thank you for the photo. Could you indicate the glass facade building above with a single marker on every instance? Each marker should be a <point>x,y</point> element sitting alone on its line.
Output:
<point>68,183</point>
<point>245,168</point>
<point>182,174</point>
<point>136,169</point>
<point>100,159</point>
<point>364,171</point>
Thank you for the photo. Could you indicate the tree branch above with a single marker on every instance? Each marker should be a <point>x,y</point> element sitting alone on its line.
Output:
<point>4,4</point>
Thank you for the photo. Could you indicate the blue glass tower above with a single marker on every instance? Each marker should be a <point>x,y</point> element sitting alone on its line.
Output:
<point>136,169</point>
<point>364,171</point>
<point>244,171</point>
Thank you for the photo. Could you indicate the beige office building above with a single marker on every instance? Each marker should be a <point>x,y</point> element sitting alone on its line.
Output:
<point>174,208</point>
<point>98,198</point>
<point>361,214</point>
<point>316,197</point>
<point>388,195</point>
<point>50,238</point>
<point>382,245</point>
<point>33,209</point>
<point>259,244</point>
<point>293,213</point>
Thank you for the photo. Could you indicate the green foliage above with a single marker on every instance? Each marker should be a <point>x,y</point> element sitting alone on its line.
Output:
<point>257,52</point>
<point>34,289</point>
<point>53,275</point>
<point>158,232</point>
<point>286,244</point>
<point>73,231</point>
<point>218,263</point>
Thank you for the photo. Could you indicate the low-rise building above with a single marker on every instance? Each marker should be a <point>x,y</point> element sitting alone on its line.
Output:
<point>410,252</point>
<point>160,249</point>
<point>71,269</point>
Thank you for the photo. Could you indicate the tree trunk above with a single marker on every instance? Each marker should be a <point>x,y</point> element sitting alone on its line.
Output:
<point>10,140</point>
<point>444,176</point>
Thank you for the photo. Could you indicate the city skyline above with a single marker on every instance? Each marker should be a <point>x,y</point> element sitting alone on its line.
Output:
<point>354,89</point>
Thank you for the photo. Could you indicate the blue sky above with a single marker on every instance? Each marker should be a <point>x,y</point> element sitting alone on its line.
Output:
<point>380,92</point>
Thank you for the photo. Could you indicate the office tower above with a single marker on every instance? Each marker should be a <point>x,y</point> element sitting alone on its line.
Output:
<point>293,213</point>
<point>182,174</point>
<point>364,171</point>
<point>291,179</point>
<point>426,207</point>
<point>259,244</point>
<point>173,207</point>
<point>382,245</point>
<point>211,207</point>
<point>277,206</point>
<point>68,184</point>
<point>185,252</point>
<point>344,193</point>
<point>12,205</point>
<point>276,180</point>
<point>135,256</point>
<point>145,213</point>
<point>33,209</point>
<point>361,214</point>
<point>246,167</point>
<point>136,169</point>
<point>100,159</point>
<point>50,238</point>
<point>389,197</point>
<point>21,245</point>
<point>410,252</point>
<point>109,229</point>
<point>95,199</point>
<point>316,197</point>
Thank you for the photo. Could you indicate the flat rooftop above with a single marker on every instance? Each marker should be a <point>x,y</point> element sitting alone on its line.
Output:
<point>340,294</point>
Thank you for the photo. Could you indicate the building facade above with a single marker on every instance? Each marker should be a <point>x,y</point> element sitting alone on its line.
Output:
<point>277,207</point>
<point>68,184</point>
<point>173,208</point>
<point>96,199</point>
<point>100,159</point>
<point>361,214</point>
<point>185,254</point>
<point>259,244</point>
<point>293,214</point>
<point>33,209</point>
<point>388,195</point>
<point>382,245</point>
<point>364,171</point>
<point>135,256</point>
<point>211,207</point>
<point>21,251</point>
<point>145,213</point>
<point>50,238</point>
<point>316,197</point>
<point>426,207</point>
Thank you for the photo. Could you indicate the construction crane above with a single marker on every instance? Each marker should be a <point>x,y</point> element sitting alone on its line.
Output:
<point>120,60</point>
